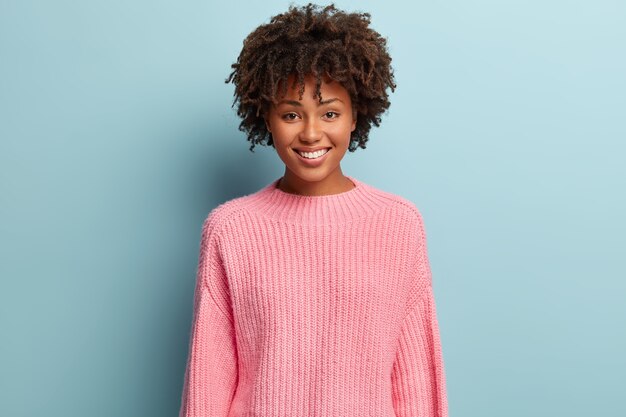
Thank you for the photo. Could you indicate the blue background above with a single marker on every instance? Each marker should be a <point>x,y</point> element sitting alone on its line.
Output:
<point>117,137</point>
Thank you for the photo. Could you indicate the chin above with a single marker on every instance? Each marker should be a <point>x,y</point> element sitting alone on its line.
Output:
<point>312,176</point>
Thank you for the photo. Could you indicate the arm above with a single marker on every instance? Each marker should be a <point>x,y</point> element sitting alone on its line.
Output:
<point>418,378</point>
<point>211,373</point>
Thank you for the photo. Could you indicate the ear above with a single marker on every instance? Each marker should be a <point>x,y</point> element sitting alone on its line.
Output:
<point>267,125</point>
<point>353,122</point>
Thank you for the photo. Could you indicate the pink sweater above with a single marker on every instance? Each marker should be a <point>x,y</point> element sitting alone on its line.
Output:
<point>314,306</point>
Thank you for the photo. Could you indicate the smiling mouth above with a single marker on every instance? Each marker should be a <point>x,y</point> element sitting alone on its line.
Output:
<point>313,155</point>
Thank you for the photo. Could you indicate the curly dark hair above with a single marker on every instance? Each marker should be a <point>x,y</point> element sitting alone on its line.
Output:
<point>311,40</point>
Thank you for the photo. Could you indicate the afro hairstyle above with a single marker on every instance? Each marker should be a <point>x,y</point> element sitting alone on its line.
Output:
<point>311,40</point>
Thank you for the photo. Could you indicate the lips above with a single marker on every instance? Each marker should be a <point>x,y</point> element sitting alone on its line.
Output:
<point>314,162</point>
<point>313,155</point>
<point>311,149</point>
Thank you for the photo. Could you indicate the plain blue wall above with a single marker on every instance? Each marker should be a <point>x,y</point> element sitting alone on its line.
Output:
<point>117,138</point>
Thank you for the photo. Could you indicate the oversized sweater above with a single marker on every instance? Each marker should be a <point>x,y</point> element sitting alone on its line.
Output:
<point>314,306</point>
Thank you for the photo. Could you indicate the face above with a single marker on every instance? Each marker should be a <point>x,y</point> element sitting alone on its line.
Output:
<point>307,125</point>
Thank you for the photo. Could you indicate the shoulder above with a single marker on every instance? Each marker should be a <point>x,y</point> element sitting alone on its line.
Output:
<point>228,212</point>
<point>405,214</point>
<point>398,204</point>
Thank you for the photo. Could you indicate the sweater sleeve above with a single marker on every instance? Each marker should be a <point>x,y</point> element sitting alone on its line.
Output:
<point>418,378</point>
<point>211,372</point>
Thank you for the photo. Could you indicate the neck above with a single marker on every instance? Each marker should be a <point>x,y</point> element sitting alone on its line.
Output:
<point>348,206</point>
<point>333,184</point>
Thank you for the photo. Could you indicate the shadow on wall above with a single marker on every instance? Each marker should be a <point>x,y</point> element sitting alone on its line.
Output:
<point>226,172</point>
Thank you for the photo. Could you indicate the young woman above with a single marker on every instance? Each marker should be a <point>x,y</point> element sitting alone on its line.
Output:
<point>314,294</point>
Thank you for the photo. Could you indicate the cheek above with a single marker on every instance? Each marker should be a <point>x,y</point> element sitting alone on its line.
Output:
<point>341,131</point>
<point>279,132</point>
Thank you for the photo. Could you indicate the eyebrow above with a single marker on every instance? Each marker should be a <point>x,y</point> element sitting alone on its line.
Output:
<point>299,104</point>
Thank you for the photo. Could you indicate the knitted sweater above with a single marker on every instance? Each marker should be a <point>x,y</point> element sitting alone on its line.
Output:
<point>314,306</point>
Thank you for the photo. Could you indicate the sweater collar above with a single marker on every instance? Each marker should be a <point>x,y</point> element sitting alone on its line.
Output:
<point>343,207</point>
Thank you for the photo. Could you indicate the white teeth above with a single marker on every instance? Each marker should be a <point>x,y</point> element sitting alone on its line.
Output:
<point>313,155</point>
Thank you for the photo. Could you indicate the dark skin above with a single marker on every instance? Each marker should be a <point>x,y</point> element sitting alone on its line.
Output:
<point>297,123</point>
<point>312,40</point>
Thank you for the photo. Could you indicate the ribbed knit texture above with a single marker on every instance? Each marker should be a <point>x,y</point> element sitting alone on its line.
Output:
<point>314,306</point>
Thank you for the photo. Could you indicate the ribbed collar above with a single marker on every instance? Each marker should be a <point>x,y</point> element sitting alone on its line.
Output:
<point>347,206</point>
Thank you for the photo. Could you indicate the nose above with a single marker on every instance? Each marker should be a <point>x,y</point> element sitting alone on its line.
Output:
<point>311,131</point>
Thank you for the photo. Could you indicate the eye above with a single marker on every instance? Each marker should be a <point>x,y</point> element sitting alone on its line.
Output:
<point>289,116</point>
<point>331,115</point>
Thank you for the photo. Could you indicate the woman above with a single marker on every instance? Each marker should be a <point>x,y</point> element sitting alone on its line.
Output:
<point>314,294</point>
